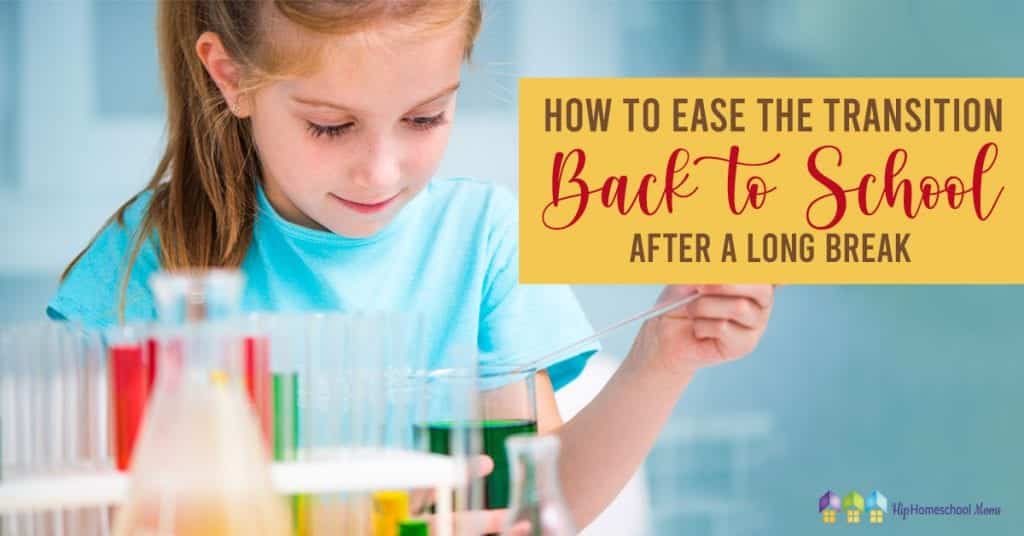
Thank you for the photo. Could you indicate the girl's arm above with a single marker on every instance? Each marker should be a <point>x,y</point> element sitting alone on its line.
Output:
<point>604,444</point>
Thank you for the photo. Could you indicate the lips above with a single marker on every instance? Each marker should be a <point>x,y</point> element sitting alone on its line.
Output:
<point>365,208</point>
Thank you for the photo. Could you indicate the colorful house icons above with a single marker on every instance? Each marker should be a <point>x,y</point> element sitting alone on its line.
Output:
<point>828,505</point>
<point>853,503</point>
<point>877,505</point>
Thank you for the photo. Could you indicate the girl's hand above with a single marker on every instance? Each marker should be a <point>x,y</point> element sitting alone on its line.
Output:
<point>724,323</point>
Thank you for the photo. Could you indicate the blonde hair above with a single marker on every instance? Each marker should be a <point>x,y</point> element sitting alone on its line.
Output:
<point>204,191</point>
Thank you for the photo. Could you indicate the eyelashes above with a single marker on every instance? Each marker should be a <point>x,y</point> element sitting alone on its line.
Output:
<point>428,122</point>
<point>422,123</point>
<point>330,131</point>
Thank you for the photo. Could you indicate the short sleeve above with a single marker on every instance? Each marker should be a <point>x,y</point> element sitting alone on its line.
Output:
<point>91,292</point>
<point>520,323</point>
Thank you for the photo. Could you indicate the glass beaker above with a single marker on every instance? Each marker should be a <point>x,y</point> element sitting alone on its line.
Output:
<point>471,411</point>
<point>509,408</point>
<point>538,507</point>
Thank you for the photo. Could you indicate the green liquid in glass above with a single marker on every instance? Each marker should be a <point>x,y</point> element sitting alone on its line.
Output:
<point>493,434</point>
<point>286,415</point>
<point>286,433</point>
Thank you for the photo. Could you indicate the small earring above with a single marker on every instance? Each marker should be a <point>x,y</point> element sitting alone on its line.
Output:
<point>234,107</point>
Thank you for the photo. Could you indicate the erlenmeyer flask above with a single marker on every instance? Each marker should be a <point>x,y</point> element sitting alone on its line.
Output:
<point>200,466</point>
<point>538,507</point>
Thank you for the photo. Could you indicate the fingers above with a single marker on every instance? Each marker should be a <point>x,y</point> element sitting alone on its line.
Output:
<point>728,319</point>
<point>743,311</point>
<point>726,337</point>
<point>489,521</point>
<point>713,328</point>
<point>747,306</point>
<point>762,294</point>
<point>672,292</point>
<point>479,522</point>
<point>420,499</point>
<point>481,466</point>
<point>521,528</point>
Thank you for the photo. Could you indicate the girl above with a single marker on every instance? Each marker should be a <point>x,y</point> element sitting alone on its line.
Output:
<point>302,140</point>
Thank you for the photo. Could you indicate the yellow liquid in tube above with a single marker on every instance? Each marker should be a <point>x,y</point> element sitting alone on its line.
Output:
<point>201,469</point>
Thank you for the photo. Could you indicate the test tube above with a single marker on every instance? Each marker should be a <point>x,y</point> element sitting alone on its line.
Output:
<point>41,419</point>
<point>405,377</point>
<point>8,418</point>
<point>26,417</point>
<point>322,414</point>
<point>66,406</point>
<point>152,348</point>
<point>347,378</point>
<point>129,381</point>
<point>404,372</point>
<point>320,420</point>
<point>75,417</point>
<point>448,424</point>
<point>9,429</point>
<point>256,348</point>
<point>285,341</point>
<point>95,436</point>
<point>287,338</point>
<point>366,357</point>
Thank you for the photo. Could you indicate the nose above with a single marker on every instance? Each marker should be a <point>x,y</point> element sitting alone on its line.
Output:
<point>375,167</point>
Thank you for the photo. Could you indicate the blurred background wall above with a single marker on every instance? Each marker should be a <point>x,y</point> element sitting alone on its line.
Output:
<point>909,390</point>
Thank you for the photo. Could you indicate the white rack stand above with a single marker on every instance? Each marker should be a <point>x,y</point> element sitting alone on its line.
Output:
<point>351,471</point>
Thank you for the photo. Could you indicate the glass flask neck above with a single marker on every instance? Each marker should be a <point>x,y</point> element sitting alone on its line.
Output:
<point>198,335</point>
<point>535,470</point>
<point>192,296</point>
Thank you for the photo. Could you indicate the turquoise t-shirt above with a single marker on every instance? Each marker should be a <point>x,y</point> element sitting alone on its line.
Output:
<point>450,254</point>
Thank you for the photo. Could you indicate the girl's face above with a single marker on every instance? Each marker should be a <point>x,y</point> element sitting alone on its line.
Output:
<point>346,148</point>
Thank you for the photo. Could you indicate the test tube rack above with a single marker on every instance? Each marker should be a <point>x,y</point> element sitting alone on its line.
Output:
<point>355,470</point>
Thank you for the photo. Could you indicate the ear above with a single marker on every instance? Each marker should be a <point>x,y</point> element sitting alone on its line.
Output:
<point>223,70</point>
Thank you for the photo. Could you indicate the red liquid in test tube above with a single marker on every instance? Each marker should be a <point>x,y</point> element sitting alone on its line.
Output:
<point>256,363</point>
<point>163,359</point>
<point>151,352</point>
<point>130,374</point>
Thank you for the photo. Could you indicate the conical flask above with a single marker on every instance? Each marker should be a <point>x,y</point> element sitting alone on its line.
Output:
<point>538,507</point>
<point>200,466</point>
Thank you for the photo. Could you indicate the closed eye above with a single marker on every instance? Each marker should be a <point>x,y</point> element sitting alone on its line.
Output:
<point>426,122</point>
<point>330,131</point>
<point>417,123</point>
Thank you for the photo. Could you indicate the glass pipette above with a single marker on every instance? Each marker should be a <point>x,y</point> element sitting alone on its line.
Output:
<point>657,310</point>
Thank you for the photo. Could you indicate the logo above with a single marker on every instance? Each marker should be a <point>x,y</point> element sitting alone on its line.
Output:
<point>853,503</point>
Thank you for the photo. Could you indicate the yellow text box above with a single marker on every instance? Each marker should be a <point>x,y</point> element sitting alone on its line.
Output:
<point>771,180</point>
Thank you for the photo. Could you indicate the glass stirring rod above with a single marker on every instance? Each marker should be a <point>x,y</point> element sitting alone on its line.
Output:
<point>657,310</point>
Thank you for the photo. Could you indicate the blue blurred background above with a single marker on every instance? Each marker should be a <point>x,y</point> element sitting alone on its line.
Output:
<point>908,390</point>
